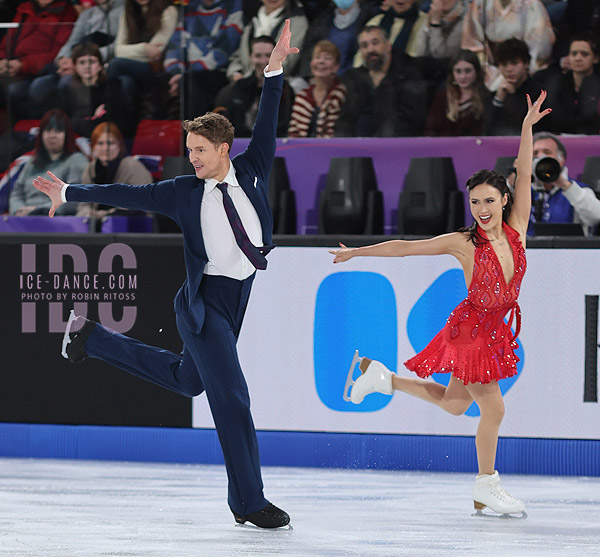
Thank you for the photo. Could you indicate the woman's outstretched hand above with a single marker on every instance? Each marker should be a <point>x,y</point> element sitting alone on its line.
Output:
<point>52,188</point>
<point>534,110</point>
<point>342,254</point>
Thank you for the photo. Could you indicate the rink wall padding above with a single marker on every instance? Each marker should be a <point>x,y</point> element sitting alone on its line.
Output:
<point>52,409</point>
<point>568,457</point>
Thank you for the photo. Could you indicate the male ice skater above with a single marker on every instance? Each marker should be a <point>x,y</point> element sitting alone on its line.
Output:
<point>224,213</point>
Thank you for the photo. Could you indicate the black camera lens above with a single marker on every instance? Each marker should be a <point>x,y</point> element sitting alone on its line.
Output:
<point>546,169</point>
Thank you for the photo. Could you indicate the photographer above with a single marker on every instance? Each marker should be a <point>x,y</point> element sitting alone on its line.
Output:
<point>558,198</point>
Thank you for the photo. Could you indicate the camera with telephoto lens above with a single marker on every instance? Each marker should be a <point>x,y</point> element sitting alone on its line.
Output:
<point>546,169</point>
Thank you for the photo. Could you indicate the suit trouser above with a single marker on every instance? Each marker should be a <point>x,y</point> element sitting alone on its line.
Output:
<point>209,362</point>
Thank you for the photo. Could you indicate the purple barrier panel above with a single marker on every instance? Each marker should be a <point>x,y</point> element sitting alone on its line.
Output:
<point>127,224</point>
<point>308,163</point>
<point>43,224</point>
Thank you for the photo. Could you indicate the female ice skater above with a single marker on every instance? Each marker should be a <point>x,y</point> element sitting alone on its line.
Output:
<point>476,346</point>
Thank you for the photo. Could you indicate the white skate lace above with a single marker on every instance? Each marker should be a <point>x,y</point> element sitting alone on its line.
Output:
<point>500,493</point>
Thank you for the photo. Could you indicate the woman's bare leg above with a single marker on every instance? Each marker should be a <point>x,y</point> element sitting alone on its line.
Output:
<point>454,399</point>
<point>491,405</point>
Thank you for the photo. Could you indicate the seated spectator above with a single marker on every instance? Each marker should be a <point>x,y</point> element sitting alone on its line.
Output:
<point>401,20</point>
<point>339,23</point>
<point>238,101</point>
<point>97,24</point>
<point>441,35</point>
<point>574,95</point>
<point>145,28</point>
<point>55,151</point>
<point>565,199</point>
<point>110,164</point>
<point>317,108</point>
<point>458,108</point>
<point>385,97</point>
<point>90,98</point>
<point>490,22</point>
<point>29,50</point>
<point>200,50</point>
<point>269,21</point>
<point>579,16</point>
<point>509,104</point>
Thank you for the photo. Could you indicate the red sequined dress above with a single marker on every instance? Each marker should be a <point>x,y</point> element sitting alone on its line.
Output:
<point>476,345</point>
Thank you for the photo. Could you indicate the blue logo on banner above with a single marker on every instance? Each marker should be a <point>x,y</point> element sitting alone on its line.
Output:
<point>357,311</point>
<point>429,315</point>
<point>354,311</point>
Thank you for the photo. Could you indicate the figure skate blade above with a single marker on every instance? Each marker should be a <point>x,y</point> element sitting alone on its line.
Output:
<point>349,381</point>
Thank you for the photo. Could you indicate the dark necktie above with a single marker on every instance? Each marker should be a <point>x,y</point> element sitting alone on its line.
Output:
<point>254,254</point>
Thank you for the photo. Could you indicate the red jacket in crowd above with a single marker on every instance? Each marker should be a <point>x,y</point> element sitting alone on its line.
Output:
<point>42,32</point>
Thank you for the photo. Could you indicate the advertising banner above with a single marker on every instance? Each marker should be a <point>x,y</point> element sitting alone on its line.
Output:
<point>306,318</point>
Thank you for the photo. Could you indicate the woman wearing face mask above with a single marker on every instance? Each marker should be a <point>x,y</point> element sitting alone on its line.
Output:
<point>56,152</point>
<point>458,108</point>
<point>339,23</point>
<point>110,164</point>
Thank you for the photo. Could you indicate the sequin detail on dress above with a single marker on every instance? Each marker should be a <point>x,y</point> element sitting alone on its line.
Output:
<point>476,345</point>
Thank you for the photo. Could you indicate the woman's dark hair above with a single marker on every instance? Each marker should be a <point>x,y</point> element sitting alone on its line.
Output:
<point>141,27</point>
<point>54,119</point>
<point>497,181</point>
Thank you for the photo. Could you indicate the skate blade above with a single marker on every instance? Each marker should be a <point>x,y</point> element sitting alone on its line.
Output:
<point>66,338</point>
<point>349,380</point>
<point>250,526</point>
<point>504,516</point>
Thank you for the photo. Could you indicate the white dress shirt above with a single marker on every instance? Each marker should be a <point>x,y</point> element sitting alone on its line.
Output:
<point>224,255</point>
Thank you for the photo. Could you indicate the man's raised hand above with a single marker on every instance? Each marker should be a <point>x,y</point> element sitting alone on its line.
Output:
<point>281,49</point>
<point>52,188</point>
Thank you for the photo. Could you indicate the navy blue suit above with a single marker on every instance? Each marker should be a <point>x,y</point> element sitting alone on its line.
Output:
<point>209,309</point>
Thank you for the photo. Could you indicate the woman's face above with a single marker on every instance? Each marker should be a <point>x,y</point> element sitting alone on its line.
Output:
<point>106,148</point>
<point>88,69</point>
<point>464,74</point>
<point>582,58</point>
<point>54,141</point>
<point>323,64</point>
<point>486,204</point>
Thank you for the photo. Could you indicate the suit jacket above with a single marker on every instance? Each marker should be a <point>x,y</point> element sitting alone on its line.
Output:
<point>180,199</point>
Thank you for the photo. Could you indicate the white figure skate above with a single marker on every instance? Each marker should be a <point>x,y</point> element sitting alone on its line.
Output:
<point>487,492</point>
<point>375,379</point>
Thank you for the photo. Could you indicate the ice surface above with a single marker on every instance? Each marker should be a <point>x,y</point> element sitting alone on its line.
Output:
<point>82,508</point>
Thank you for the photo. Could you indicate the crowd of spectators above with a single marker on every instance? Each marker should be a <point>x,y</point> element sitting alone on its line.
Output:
<point>367,68</point>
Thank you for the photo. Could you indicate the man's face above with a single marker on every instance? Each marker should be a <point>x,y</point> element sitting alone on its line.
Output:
<point>44,3</point>
<point>547,148</point>
<point>515,71</point>
<point>375,49</point>
<point>259,57</point>
<point>208,160</point>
